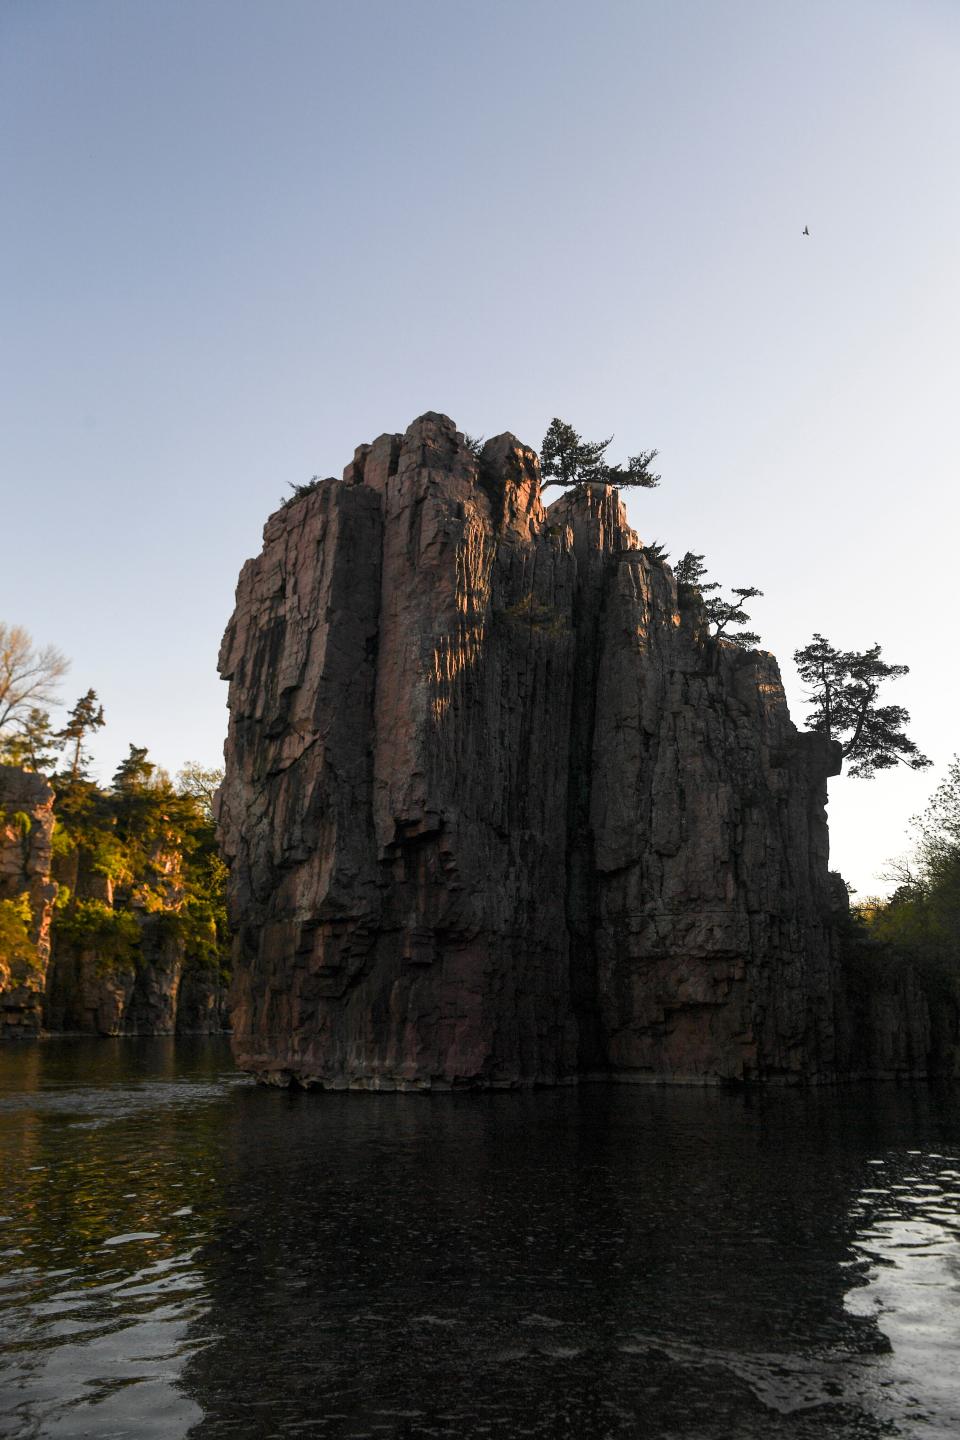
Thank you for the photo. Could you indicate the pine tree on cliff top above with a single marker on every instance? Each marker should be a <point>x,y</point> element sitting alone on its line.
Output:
<point>844,705</point>
<point>567,459</point>
<point>691,578</point>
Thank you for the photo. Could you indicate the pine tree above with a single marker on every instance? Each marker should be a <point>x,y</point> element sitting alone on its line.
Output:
<point>691,578</point>
<point>32,744</point>
<point>636,472</point>
<point>134,772</point>
<point>845,687</point>
<point>85,717</point>
<point>691,574</point>
<point>567,459</point>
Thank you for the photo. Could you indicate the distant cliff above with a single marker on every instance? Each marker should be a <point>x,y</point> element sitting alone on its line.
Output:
<point>104,924</point>
<point>26,898</point>
<point>499,811</point>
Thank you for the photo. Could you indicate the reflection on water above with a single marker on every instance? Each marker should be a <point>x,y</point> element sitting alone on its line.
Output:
<point>182,1253</point>
<point>100,1292</point>
<point>908,1229</point>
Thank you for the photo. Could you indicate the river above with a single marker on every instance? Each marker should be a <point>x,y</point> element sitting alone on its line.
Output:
<point>184,1253</point>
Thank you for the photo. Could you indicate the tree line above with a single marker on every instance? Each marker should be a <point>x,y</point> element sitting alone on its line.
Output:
<point>920,921</point>
<point>143,845</point>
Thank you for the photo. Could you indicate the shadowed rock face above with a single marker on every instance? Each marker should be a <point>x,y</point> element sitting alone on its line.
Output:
<point>497,810</point>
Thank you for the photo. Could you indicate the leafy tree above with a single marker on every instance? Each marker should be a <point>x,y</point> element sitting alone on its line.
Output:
<point>85,717</point>
<point>28,675</point>
<point>19,961</point>
<point>32,744</point>
<point>657,551</point>
<point>113,935</point>
<point>201,783</point>
<point>691,578</point>
<point>921,920</point>
<point>567,459</point>
<point>845,686</point>
<point>938,828</point>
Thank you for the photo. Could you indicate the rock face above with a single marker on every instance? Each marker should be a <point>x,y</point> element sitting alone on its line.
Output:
<point>163,992</point>
<point>26,898</point>
<point>155,987</point>
<point>498,810</point>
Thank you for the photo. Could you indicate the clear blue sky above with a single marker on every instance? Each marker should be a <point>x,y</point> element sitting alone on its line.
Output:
<point>240,238</point>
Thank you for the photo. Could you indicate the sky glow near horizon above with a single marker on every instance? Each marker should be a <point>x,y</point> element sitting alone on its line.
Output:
<point>243,238</point>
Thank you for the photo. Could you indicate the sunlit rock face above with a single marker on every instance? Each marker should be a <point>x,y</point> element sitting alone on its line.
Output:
<point>26,833</point>
<point>498,810</point>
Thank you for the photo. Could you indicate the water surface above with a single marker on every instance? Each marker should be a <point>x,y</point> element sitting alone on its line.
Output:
<point>182,1253</point>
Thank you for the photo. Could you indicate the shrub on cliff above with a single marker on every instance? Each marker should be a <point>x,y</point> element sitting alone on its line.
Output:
<point>112,935</point>
<point>18,952</point>
<point>299,491</point>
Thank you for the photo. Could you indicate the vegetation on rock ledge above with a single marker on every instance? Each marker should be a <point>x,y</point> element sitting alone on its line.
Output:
<point>141,850</point>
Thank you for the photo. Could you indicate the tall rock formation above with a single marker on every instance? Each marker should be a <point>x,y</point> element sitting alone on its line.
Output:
<point>26,898</point>
<point>497,808</point>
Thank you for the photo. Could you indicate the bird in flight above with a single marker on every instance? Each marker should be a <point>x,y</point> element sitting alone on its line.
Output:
<point>806,230</point>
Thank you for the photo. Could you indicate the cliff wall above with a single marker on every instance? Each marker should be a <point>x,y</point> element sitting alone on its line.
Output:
<point>498,810</point>
<point>161,990</point>
<point>51,978</point>
<point>26,898</point>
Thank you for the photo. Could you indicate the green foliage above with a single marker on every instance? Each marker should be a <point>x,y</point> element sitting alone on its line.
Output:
<point>938,830</point>
<point>567,459</point>
<point>921,920</point>
<point>85,717</point>
<point>299,491</point>
<point>156,843</point>
<point>691,577</point>
<point>153,841</point>
<point>200,924</point>
<point>538,616</point>
<point>19,962</point>
<point>202,783</point>
<point>113,935</point>
<point>844,691</point>
<point>30,742</point>
<point>16,820</point>
<point>636,471</point>
<point>86,826</point>
<point>657,552</point>
<point>133,773</point>
<point>474,444</point>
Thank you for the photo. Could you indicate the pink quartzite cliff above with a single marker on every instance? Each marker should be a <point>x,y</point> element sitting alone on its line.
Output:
<point>498,810</point>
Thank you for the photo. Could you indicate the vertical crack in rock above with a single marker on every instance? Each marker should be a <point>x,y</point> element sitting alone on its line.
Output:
<point>497,810</point>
